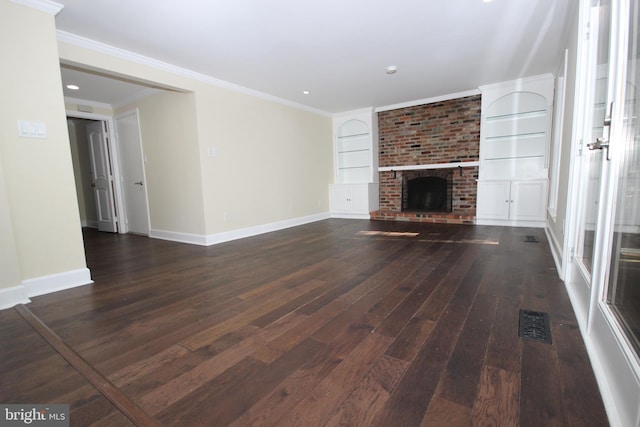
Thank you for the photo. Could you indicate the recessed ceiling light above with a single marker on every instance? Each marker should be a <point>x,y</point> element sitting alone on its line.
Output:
<point>487,1</point>
<point>73,87</point>
<point>305,92</point>
<point>391,69</point>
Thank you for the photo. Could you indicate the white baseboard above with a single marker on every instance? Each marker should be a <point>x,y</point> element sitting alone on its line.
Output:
<point>227,236</point>
<point>350,216</point>
<point>12,296</point>
<point>193,239</point>
<point>556,251</point>
<point>20,294</point>
<point>57,282</point>
<point>511,223</point>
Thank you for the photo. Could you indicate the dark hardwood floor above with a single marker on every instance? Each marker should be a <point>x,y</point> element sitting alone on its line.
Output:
<point>339,322</point>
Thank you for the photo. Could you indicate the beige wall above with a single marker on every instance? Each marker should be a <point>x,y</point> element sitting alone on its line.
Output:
<point>172,168</point>
<point>38,173</point>
<point>274,162</point>
<point>9,262</point>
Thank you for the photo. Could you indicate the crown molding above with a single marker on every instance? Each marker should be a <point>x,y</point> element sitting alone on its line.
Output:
<point>429,100</point>
<point>42,5</point>
<point>86,43</point>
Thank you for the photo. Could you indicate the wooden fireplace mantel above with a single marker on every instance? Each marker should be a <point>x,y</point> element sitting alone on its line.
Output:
<point>449,165</point>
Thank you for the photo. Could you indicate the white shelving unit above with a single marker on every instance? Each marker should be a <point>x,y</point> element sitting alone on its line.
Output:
<point>514,145</point>
<point>355,191</point>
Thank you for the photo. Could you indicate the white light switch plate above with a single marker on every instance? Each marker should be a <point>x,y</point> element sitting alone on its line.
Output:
<point>28,129</point>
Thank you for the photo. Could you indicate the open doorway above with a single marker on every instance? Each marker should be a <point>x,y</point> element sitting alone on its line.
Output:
<point>109,172</point>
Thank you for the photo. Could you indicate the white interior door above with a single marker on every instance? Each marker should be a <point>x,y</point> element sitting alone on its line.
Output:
<point>102,177</point>
<point>132,170</point>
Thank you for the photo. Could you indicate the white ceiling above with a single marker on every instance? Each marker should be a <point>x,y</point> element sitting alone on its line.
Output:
<point>336,49</point>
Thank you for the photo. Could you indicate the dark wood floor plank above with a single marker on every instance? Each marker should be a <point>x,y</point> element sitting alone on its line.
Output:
<point>409,402</point>
<point>460,379</point>
<point>411,338</point>
<point>232,401</point>
<point>410,399</point>
<point>498,398</point>
<point>364,402</point>
<point>318,407</point>
<point>540,395</point>
<point>278,403</point>
<point>401,315</point>
<point>325,323</point>
<point>120,400</point>
<point>575,376</point>
<point>192,379</point>
<point>442,412</point>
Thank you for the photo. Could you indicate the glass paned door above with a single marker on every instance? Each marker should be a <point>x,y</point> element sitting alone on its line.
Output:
<point>597,133</point>
<point>623,293</point>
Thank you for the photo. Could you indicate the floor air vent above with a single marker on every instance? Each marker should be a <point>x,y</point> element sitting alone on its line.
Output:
<point>531,239</point>
<point>534,325</point>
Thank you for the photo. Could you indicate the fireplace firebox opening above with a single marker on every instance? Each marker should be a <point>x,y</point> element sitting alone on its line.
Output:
<point>427,191</point>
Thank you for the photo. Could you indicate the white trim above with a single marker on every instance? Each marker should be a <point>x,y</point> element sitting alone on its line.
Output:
<point>511,223</point>
<point>93,45</point>
<point>451,165</point>
<point>226,236</point>
<point>12,296</point>
<point>536,84</point>
<point>94,104</point>
<point>350,216</point>
<point>349,114</point>
<point>174,236</point>
<point>556,138</point>
<point>213,239</point>
<point>57,282</point>
<point>89,224</point>
<point>47,6</point>
<point>424,101</point>
<point>556,250</point>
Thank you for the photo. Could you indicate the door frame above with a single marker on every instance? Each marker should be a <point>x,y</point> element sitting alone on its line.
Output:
<point>615,363</point>
<point>114,156</point>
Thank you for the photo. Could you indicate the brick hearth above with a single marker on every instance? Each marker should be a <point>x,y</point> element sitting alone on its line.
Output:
<point>441,132</point>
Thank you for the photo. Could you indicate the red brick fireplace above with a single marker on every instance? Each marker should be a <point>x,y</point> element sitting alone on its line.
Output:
<point>430,140</point>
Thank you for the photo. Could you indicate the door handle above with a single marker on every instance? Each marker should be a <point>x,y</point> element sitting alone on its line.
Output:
<point>603,141</point>
<point>599,144</point>
<point>138,183</point>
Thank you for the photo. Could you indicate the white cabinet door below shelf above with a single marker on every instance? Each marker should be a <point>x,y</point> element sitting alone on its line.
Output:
<point>529,200</point>
<point>339,196</point>
<point>359,198</point>
<point>353,199</point>
<point>493,200</point>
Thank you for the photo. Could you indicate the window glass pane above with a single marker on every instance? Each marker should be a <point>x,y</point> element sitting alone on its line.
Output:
<point>624,279</point>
